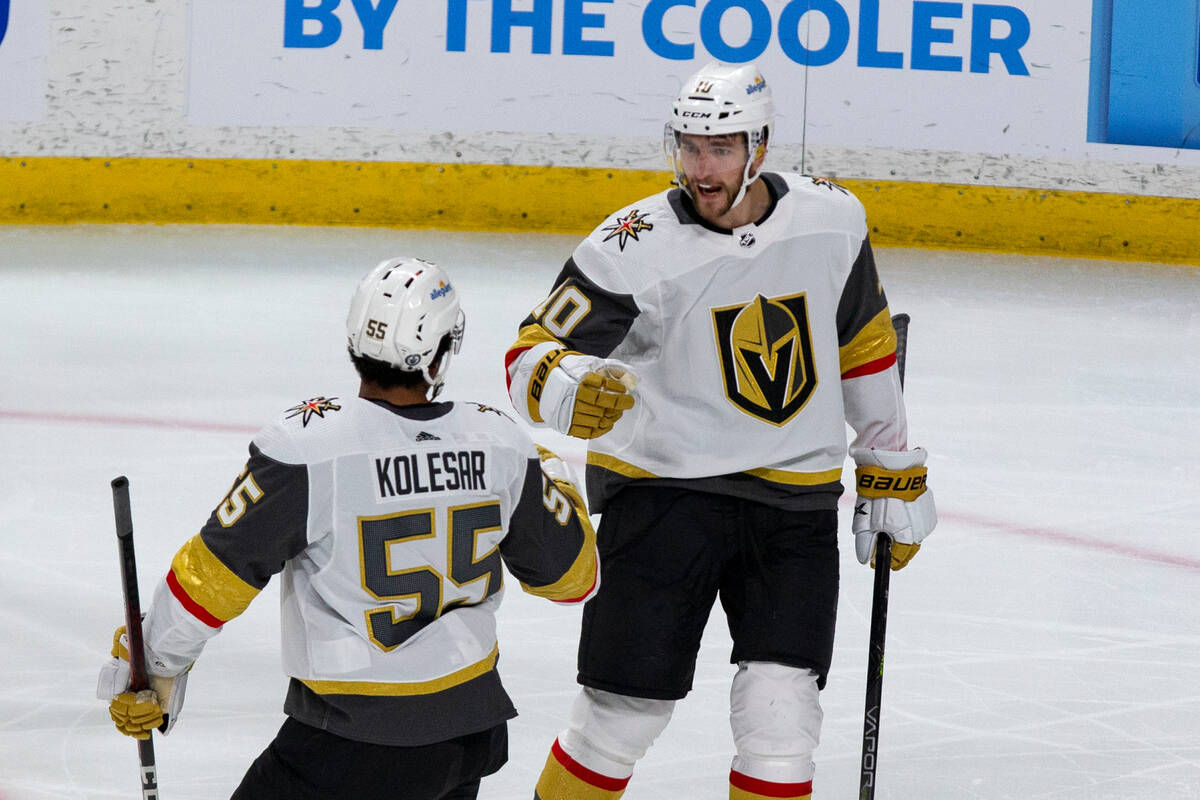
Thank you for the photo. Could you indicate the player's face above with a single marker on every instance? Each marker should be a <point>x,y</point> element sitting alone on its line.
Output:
<point>713,167</point>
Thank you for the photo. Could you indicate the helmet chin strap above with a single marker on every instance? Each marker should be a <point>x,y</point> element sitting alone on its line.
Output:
<point>435,376</point>
<point>746,181</point>
<point>753,150</point>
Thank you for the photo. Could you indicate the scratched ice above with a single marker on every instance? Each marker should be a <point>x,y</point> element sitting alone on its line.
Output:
<point>1043,645</point>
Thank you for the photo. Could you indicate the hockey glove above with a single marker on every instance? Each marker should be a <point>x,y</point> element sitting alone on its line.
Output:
<point>559,473</point>
<point>581,396</point>
<point>556,469</point>
<point>892,499</point>
<point>136,714</point>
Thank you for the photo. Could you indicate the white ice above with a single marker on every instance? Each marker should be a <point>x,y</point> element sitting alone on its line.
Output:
<point>1044,644</point>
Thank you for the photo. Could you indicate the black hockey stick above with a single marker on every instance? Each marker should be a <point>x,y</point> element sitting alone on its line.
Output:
<point>879,609</point>
<point>133,625</point>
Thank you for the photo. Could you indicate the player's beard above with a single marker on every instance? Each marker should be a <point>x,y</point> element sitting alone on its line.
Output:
<point>716,204</point>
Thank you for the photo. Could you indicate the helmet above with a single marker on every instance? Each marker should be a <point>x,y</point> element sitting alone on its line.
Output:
<point>719,99</point>
<point>401,312</point>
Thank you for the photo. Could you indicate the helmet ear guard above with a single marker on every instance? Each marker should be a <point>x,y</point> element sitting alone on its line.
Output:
<point>401,312</point>
<point>722,99</point>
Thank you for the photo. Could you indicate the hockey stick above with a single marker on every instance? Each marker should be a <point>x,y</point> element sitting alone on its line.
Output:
<point>133,625</point>
<point>879,608</point>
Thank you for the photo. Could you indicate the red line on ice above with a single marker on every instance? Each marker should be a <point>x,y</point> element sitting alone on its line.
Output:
<point>1075,540</point>
<point>142,422</point>
<point>1061,537</point>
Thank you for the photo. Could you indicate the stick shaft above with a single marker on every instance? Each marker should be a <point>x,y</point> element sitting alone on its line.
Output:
<point>879,611</point>
<point>138,679</point>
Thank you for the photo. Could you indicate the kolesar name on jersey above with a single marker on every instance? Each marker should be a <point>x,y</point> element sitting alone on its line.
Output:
<point>430,471</point>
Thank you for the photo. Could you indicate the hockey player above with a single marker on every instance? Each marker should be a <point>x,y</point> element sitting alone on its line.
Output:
<point>389,516</point>
<point>712,342</point>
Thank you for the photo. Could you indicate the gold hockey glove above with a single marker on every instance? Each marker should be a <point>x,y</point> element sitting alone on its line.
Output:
<point>136,714</point>
<point>599,403</point>
<point>579,395</point>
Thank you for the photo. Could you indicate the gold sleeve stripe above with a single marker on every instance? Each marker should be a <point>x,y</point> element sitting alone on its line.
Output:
<point>531,336</point>
<point>578,581</point>
<point>207,588</point>
<point>378,689</point>
<point>618,466</point>
<point>876,341</point>
<point>537,381</point>
<point>797,478</point>
<point>576,584</point>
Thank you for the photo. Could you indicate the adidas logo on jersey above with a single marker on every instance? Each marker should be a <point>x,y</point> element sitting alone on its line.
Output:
<point>426,436</point>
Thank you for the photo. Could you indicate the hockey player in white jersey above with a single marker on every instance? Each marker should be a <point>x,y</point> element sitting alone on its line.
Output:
<point>712,342</point>
<point>391,517</point>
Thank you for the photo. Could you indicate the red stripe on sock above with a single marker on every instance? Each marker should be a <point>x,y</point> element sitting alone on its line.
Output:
<point>768,788</point>
<point>586,775</point>
<point>195,609</point>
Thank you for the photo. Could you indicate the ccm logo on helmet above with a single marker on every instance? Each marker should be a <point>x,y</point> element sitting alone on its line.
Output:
<point>696,114</point>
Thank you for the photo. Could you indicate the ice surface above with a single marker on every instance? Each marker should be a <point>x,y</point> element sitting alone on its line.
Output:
<point>1043,645</point>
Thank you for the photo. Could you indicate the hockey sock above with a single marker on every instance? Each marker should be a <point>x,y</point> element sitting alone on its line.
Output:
<point>743,787</point>
<point>564,778</point>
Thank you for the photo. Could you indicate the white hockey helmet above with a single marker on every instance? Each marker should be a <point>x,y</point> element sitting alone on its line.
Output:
<point>721,99</point>
<point>401,312</point>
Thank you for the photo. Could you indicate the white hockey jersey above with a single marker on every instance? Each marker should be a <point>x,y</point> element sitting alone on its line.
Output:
<point>390,526</point>
<point>747,344</point>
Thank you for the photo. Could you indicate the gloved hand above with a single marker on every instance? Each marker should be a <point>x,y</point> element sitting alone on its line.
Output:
<point>581,396</point>
<point>137,714</point>
<point>555,468</point>
<point>892,499</point>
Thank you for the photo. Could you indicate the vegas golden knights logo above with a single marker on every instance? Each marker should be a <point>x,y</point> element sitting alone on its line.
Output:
<point>765,348</point>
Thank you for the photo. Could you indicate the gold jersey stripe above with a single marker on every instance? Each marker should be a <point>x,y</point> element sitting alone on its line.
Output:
<point>797,478</point>
<point>876,340</point>
<point>378,689</point>
<point>207,582</point>
<point>789,477</point>
<point>613,464</point>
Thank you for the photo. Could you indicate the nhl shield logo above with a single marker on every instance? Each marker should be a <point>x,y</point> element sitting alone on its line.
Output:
<point>765,348</point>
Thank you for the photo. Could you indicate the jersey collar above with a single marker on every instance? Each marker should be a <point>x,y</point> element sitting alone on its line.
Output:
<point>685,212</point>
<point>421,411</point>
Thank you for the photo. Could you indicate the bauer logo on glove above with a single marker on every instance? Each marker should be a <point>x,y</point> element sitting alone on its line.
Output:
<point>893,499</point>
<point>879,483</point>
